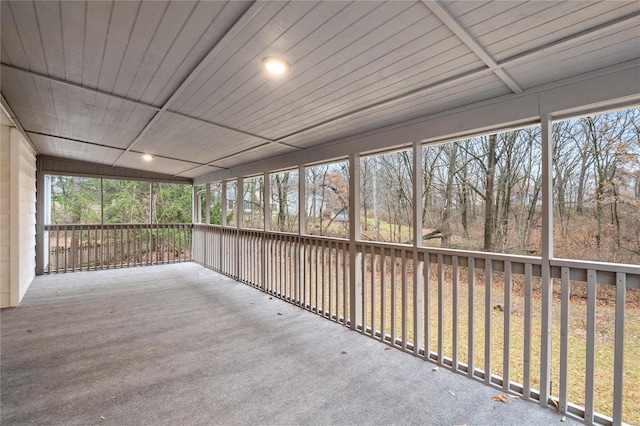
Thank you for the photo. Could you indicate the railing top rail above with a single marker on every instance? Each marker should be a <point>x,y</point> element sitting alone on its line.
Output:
<point>50,227</point>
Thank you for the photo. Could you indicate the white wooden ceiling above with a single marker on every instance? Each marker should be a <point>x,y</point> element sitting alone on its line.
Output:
<point>104,81</point>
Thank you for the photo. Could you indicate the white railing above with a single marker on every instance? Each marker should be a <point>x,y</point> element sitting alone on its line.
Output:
<point>478,314</point>
<point>71,248</point>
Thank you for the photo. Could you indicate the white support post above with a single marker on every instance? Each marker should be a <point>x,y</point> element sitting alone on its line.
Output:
<point>195,205</point>
<point>239,213</point>
<point>547,255</point>
<point>223,209</point>
<point>355,258</point>
<point>207,206</point>
<point>418,265</point>
<point>266,196</point>
<point>239,207</point>
<point>302,200</point>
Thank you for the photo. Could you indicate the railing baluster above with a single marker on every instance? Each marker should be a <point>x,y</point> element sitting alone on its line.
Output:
<point>440,309</point>
<point>383,295</point>
<point>394,277</point>
<point>363,268</point>
<point>331,275</point>
<point>427,306</point>
<point>528,295</point>
<point>488,305</point>
<point>372,305</point>
<point>455,312</point>
<point>405,301</point>
<point>471,284</point>
<point>564,339</point>
<point>506,311</point>
<point>591,346</point>
<point>618,363</point>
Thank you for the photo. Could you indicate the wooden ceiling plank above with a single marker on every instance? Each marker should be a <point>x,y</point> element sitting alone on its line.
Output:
<point>73,32</point>
<point>258,33</point>
<point>26,22</point>
<point>144,30</point>
<point>99,15</point>
<point>443,14</point>
<point>76,86</point>
<point>364,97</point>
<point>172,24</point>
<point>247,17</point>
<point>10,38</point>
<point>123,18</point>
<point>49,18</point>
<point>587,36</point>
<point>411,72</point>
<point>190,45</point>
<point>370,28</point>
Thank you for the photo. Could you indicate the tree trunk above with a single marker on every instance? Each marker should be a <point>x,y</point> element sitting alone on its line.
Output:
<point>488,206</point>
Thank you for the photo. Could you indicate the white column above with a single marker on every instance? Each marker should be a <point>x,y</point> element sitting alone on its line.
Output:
<point>302,200</point>
<point>418,265</point>
<point>266,196</point>
<point>547,255</point>
<point>223,209</point>
<point>207,201</point>
<point>355,258</point>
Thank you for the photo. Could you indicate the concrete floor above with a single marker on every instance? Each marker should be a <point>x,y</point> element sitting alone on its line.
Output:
<point>182,345</point>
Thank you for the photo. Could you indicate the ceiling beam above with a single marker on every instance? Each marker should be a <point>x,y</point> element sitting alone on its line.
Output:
<point>9,113</point>
<point>233,129</point>
<point>633,18</point>
<point>532,54</point>
<point>450,22</point>
<point>235,29</point>
<point>135,102</point>
<point>48,135</point>
<point>77,86</point>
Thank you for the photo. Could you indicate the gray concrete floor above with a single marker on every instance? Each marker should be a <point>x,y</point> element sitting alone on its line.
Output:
<point>182,345</point>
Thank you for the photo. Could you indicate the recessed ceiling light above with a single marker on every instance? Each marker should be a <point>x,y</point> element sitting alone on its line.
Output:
<point>275,66</point>
<point>147,157</point>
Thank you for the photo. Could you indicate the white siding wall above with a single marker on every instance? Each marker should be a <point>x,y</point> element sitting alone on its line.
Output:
<point>5,161</point>
<point>17,216</point>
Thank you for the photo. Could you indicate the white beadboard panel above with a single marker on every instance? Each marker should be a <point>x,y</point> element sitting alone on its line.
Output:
<point>148,19</point>
<point>463,94</point>
<point>615,47</point>
<point>28,32</point>
<point>207,25</point>
<point>73,23</point>
<point>426,57</point>
<point>506,29</point>
<point>251,79</point>
<point>174,20</point>
<point>199,171</point>
<point>385,88</point>
<point>366,46</point>
<point>206,141</point>
<point>49,20</point>
<point>98,19</point>
<point>123,17</point>
<point>258,33</point>
<point>265,151</point>
<point>64,111</point>
<point>56,147</point>
<point>13,52</point>
<point>134,160</point>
